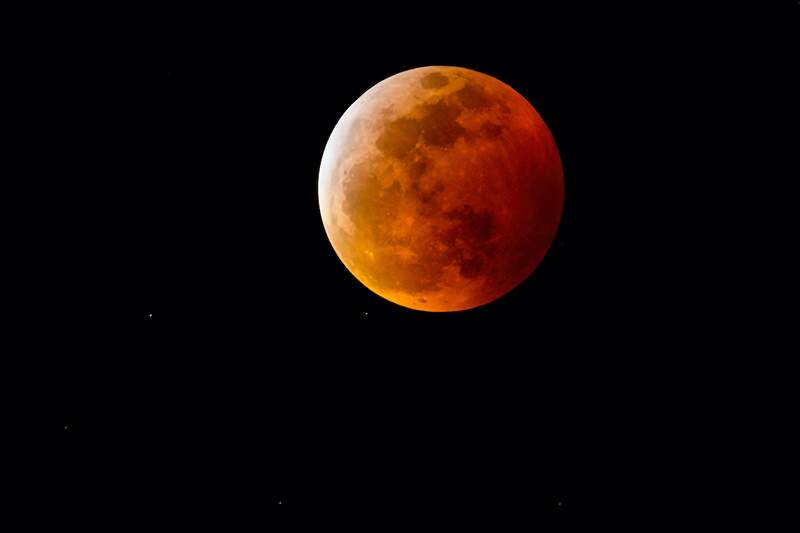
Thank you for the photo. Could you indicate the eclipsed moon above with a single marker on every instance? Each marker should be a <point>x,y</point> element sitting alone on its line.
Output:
<point>441,188</point>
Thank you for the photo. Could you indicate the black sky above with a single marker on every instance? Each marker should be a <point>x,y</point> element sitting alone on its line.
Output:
<point>185,184</point>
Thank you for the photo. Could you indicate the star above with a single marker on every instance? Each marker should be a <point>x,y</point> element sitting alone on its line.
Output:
<point>149,315</point>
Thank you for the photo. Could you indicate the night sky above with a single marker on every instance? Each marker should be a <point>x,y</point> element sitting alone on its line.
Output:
<point>219,365</point>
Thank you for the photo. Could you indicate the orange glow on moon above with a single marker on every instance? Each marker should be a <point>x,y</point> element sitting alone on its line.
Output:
<point>441,189</point>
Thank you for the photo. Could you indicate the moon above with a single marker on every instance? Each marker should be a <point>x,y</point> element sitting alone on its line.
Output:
<point>441,188</point>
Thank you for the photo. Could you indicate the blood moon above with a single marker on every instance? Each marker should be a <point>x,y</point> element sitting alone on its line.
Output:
<point>441,188</point>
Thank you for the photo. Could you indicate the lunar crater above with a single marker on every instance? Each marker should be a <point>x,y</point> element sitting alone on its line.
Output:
<point>435,80</point>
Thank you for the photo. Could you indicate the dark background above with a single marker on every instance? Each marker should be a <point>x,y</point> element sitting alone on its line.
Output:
<point>184,185</point>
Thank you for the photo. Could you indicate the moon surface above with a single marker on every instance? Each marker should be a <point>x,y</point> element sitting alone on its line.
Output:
<point>441,188</point>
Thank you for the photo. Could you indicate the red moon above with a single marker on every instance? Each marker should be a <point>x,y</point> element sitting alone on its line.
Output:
<point>441,188</point>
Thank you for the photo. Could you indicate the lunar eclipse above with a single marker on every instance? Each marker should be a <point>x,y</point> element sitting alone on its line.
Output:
<point>441,189</point>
